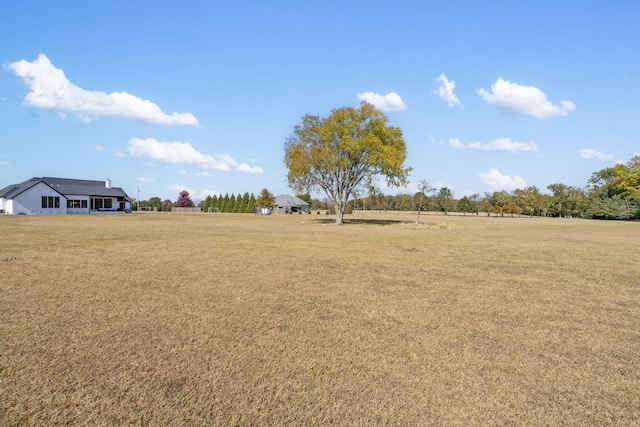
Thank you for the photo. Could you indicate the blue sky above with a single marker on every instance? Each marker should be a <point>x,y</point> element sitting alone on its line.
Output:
<point>164,96</point>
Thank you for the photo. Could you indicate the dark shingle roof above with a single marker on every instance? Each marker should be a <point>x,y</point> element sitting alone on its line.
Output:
<point>65,186</point>
<point>13,190</point>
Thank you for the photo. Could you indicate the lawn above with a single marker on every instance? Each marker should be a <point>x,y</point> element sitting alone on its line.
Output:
<point>198,319</point>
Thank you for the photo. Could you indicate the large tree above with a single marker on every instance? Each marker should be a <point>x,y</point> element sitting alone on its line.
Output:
<point>335,154</point>
<point>155,202</point>
<point>529,200</point>
<point>621,180</point>
<point>265,198</point>
<point>422,196</point>
<point>466,205</point>
<point>567,200</point>
<point>184,201</point>
<point>445,197</point>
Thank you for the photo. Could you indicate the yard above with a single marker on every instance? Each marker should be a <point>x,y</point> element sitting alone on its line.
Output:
<point>197,319</point>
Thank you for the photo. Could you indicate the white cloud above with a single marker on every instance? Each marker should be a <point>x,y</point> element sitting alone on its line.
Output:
<point>205,192</point>
<point>591,154</point>
<point>183,172</point>
<point>50,90</point>
<point>445,90</point>
<point>205,174</point>
<point>243,167</point>
<point>99,148</point>
<point>388,102</point>
<point>500,144</point>
<point>195,195</point>
<point>5,164</point>
<point>184,153</point>
<point>498,181</point>
<point>145,179</point>
<point>505,144</point>
<point>524,99</point>
<point>455,143</point>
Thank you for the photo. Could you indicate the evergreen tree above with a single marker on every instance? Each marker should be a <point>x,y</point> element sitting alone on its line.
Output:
<point>232,203</point>
<point>251,206</point>
<point>207,203</point>
<point>265,198</point>
<point>242,206</point>
<point>224,203</point>
<point>605,207</point>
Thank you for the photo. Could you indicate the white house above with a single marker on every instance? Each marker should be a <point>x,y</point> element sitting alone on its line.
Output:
<point>63,196</point>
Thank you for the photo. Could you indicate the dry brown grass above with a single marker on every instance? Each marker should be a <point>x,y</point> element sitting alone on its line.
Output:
<point>157,319</point>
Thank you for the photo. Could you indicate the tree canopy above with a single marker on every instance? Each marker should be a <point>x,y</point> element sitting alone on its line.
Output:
<point>335,154</point>
<point>445,196</point>
<point>184,201</point>
<point>465,205</point>
<point>615,191</point>
<point>265,198</point>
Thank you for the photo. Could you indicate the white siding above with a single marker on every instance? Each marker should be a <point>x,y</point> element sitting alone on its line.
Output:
<point>30,201</point>
<point>7,206</point>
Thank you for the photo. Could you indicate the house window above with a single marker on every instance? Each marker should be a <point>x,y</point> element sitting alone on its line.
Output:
<point>50,202</point>
<point>98,204</point>
<point>77,204</point>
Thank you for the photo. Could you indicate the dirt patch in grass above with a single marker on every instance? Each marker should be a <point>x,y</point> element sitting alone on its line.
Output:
<point>158,319</point>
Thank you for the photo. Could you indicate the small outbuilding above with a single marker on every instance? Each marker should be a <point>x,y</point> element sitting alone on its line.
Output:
<point>263,210</point>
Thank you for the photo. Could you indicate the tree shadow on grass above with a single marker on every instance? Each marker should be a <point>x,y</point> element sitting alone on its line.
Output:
<point>356,221</point>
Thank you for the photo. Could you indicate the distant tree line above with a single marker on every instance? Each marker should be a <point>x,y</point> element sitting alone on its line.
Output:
<point>153,204</point>
<point>611,193</point>
<point>234,203</point>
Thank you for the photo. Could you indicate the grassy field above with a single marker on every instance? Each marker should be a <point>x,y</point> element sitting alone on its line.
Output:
<point>196,319</point>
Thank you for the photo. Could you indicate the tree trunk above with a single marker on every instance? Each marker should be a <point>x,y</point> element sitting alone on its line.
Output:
<point>341,206</point>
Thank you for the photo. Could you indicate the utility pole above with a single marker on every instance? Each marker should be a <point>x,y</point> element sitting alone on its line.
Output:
<point>138,198</point>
